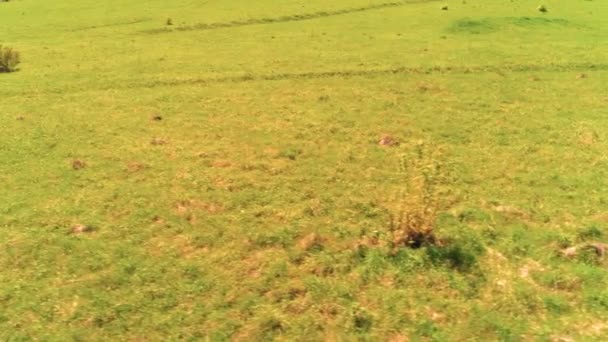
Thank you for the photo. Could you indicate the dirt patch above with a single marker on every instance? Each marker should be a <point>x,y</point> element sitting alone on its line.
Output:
<point>81,229</point>
<point>188,206</point>
<point>221,163</point>
<point>182,244</point>
<point>600,249</point>
<point>388,141</point>
<point>135,167</point>
<point>158,142</point>
<point>78,164</point>
<point>310,241</point>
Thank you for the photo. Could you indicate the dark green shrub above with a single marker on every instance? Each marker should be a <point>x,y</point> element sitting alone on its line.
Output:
<point>9,59</point>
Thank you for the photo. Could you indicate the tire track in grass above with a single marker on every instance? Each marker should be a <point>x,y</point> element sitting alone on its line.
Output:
<point>283,19</point>
<point>503,70</point>
<point>311,75</point>
<point>124,23</point>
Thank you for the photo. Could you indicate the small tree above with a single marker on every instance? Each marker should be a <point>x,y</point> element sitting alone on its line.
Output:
<point>9,59</point>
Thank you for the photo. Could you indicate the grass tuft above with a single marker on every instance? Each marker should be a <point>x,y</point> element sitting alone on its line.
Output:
<point>9,59</point>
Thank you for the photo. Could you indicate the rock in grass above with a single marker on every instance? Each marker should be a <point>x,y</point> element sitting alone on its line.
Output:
<point>543,9</point>
<point>444,7</point>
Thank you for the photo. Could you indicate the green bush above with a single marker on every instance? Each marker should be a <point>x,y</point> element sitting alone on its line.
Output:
<point>9,59</point>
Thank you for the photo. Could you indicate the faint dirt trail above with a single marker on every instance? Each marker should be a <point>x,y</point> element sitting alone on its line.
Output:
<point>283,19</point>
<point>502,70</point>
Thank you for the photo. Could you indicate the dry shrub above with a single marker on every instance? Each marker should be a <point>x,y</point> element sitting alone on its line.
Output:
<point>422,198</point>
<point>9,59</point>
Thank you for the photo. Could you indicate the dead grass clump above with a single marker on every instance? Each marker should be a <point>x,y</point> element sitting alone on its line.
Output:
<point>412,220</point>
<point>310,241</point>
<point>158,142</point>
<point>388,140</point>
<point>81,229</point>
<point>187,207</point>
<point>221,164</point>
<point>135,167</point>
<point>9,59</point>
<point>598,248</point>
<point>78,164</point>
<point>423,87</point>
<point>586,134</point>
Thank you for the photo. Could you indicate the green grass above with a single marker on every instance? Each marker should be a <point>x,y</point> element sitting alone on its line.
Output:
<point>271,117</point>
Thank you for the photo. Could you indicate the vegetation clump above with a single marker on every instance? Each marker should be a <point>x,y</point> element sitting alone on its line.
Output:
<point>412,222</point>
<point>9,59</point>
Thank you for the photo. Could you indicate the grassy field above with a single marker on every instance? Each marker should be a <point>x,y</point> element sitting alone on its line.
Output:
<point>221,178</point>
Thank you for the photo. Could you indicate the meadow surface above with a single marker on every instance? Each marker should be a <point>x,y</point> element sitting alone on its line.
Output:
<point>221,178</point>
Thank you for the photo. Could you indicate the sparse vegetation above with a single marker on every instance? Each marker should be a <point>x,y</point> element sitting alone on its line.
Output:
<point>9,59</point>
<point>421,200</point>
